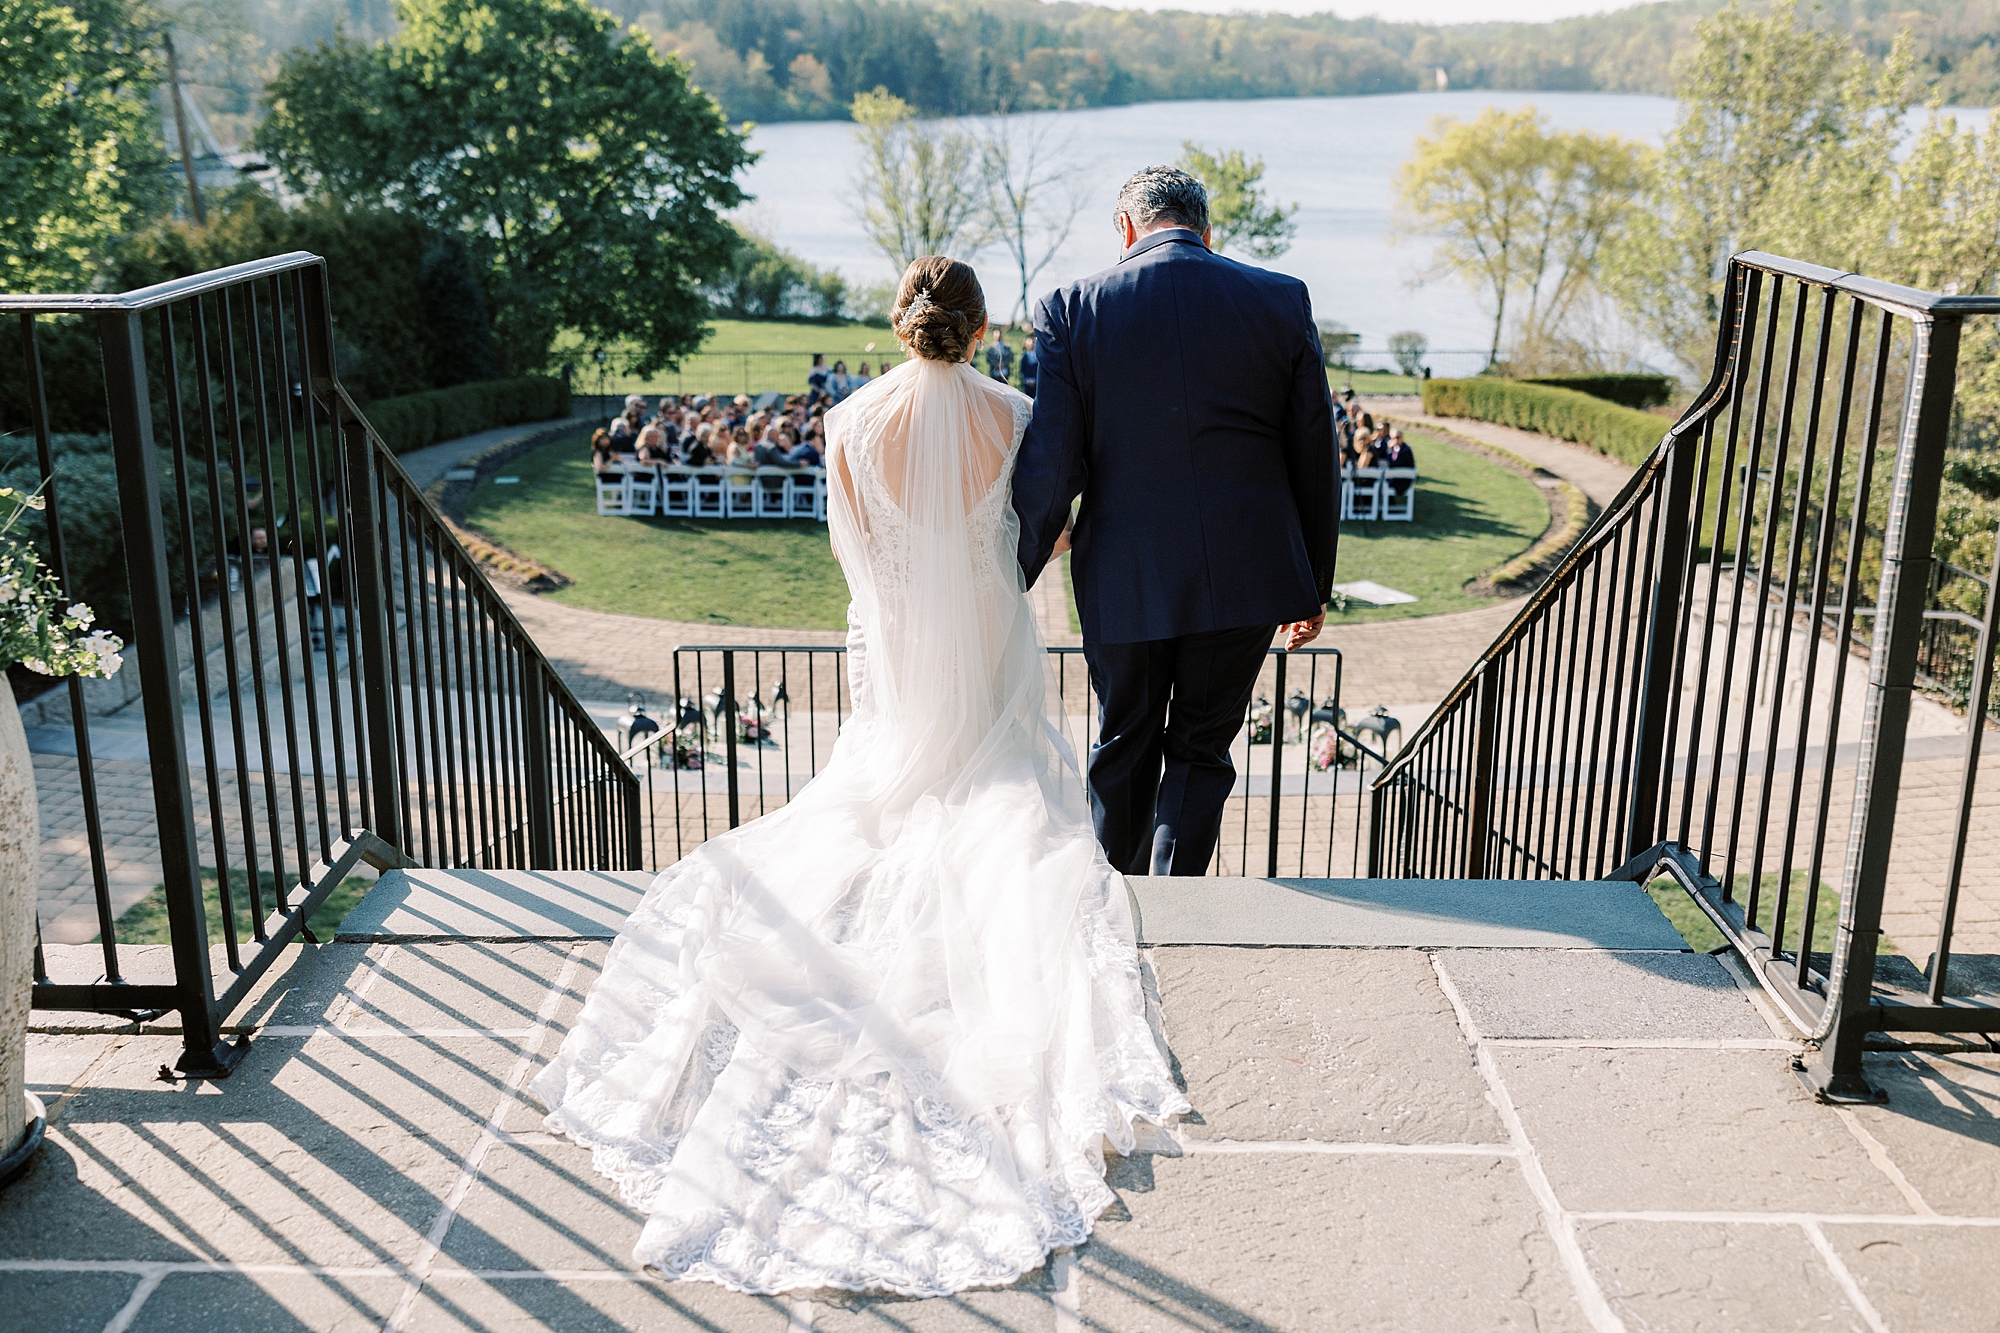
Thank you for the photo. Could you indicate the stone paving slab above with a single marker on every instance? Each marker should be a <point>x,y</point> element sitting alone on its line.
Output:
<point>1709,1276</point>
<point>1296,1243</point>
<point>1401,914</point>
<point>1688,1130</point>
<point>495,904</point>
<point>62,1302</point>
<point>1337,1046</point>
<point>538,1304</point>
<point>313,1151</point>
<point>1027,1307</point>
<point>266,1302</point>
<point>1348,913</point>
<point>1601,994</point>
<point>541,1207</point>
<point>1941,1127</point>
<point>1936,1278</point>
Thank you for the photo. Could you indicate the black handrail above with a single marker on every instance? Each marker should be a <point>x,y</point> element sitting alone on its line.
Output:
<point>1308,822</point>
<point>356,679</point>
<point>1657,705</point>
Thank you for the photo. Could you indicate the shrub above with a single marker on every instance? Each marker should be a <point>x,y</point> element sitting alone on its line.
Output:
<point>1622,432</point>
<point>1629,390</point>
<point>419,419</point>
<point>86,487</point>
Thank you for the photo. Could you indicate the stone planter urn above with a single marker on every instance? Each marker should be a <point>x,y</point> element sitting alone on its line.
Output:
<point>20,848</point>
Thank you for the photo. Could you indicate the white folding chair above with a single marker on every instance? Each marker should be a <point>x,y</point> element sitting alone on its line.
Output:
<point>740,495</point>
<point>612,495</point>
<point>711,491</point>
<point>802,493</point>
<point>1364,504</point>
<point>642,492</point>
<point>1399,507</point>
<point>819,495</point>
<point>770,486</point>
<point>677,494</point>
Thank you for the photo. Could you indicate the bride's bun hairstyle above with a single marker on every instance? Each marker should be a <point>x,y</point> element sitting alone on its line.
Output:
<point>939,308</point>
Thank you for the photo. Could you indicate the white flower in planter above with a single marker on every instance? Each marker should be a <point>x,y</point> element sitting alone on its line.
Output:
<point>33,630</point>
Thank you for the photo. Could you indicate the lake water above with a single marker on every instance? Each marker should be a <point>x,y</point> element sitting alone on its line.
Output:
<point>1336,157</point>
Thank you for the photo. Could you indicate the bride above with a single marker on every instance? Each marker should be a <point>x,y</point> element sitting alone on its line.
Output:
<point>878,1039</point>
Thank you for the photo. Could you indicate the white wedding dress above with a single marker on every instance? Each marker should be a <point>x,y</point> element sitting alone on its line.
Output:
<point>878,1039</point>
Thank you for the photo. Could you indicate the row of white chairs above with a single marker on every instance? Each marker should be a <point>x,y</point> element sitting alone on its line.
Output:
<point>1367,495</point>
<point>638,491</point>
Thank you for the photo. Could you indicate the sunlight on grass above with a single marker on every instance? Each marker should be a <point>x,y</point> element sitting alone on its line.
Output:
<point>775,573</point>
<point>1472,516</point>
<point>1701,934</point>
<point>145,922</point>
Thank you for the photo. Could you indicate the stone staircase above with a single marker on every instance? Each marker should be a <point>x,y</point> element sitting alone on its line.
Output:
<point>1420,1105</point>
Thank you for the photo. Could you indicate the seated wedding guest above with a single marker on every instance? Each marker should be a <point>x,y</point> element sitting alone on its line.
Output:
<point>741,452</point>
<point>623,437</point>
<point>602,455</point>
<point>696,452</point>
<point>770,452</point>
<point>1399,454</point>
<point>653,445</point>
<point>806,453</point>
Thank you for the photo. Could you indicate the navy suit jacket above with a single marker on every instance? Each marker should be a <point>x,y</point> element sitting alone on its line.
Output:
<point>1184,396</point>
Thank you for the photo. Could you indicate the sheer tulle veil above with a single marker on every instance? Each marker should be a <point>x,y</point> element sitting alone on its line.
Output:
<point>879,1038</point>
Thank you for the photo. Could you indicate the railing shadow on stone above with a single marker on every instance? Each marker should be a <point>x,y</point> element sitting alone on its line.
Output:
<point>1716,684</point>
<point>301,619</point>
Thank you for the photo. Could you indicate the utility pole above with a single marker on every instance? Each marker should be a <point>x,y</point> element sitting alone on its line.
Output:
<point>181,129</point>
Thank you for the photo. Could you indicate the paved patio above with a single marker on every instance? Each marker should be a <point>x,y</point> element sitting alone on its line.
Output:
<point>1419,1106</point>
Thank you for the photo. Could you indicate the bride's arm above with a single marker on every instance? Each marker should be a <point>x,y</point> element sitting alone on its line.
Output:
<point>840,477</point>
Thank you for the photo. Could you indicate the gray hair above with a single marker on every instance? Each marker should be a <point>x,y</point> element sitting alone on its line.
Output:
<point>1157,195</point>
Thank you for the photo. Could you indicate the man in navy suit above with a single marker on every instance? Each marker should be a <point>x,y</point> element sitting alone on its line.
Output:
<point>1183,395</point>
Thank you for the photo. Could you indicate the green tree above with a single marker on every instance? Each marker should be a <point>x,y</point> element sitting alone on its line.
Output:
<point>1239,214</point>
<point>1778,119</point>
<point>1520,212</point>
<point>919,188</point>
<point>1408,348</point>
<point>81,162</point>
<point>766,281</point>
<point>581,164</point>
<point>1034,191</point>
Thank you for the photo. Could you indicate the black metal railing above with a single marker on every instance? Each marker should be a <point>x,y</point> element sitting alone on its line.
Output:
<point>325,678</point>
<point>1717,682</point>
<point>747,726</point>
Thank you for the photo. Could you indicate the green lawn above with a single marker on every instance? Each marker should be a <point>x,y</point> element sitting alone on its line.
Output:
<point>1701,934</point>
<point>720,366</point>
<point>1472,515</point>
<point>775,572</point>
<point>145,922</point>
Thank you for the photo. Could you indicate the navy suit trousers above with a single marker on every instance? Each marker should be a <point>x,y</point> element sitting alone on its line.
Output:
<point>1167,710</point>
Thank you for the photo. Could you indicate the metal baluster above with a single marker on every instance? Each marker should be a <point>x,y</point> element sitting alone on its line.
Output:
<point>79,714</point>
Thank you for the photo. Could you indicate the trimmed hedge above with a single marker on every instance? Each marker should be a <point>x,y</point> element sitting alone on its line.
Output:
<point>1622,432</point>
<point>419,419</point>
<point>1627,390</point>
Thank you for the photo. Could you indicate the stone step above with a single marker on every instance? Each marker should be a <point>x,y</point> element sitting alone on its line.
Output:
<point>1286,913</point>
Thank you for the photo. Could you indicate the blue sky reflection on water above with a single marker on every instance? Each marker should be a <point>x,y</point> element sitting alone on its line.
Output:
<point>1334,156</point>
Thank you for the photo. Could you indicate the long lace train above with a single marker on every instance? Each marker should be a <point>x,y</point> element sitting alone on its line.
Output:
<point>878,1038</point>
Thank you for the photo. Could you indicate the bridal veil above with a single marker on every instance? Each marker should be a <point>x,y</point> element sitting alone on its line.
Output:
<point>878,1038</point>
